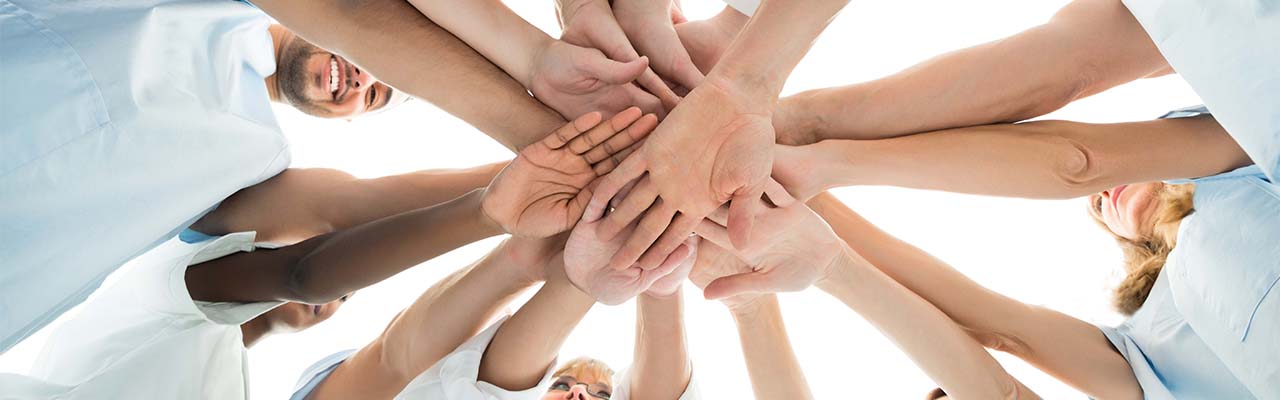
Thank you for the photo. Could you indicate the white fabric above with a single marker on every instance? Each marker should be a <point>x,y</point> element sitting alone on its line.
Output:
<point>747,7</point>
<point>123,122</point>
<point>145,338</point>
<point>1227,51</point>
<point>456,376</point>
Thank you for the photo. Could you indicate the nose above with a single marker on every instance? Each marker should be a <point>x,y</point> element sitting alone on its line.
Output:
<point>359,79</point>
<point>578,392</point>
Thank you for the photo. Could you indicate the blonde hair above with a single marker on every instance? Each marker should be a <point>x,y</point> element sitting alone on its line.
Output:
<point>584,368</point>
<point>1145,257</point>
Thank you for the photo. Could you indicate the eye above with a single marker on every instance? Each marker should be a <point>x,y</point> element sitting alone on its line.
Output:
<point>562,386</point>
<point>602,395</point>
<point>344,298</point>
<point>1097,203</point>
<point>371,98</point>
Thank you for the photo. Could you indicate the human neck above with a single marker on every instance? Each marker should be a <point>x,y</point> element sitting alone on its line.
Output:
<point>254,330</point>
<point>278,36</point>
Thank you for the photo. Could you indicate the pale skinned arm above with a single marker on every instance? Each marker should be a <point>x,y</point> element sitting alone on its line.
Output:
<point>1071,350</point>
<point>302,203</point>
<point>775,372</point>
<point>527,343</point>
<point>445,316</point>
<point>661,370</point>
<point>940,347</point>
<point>1089,46</point>
<point>396,43</point>
<point>1042,159</point>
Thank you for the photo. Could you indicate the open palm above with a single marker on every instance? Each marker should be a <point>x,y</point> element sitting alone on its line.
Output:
<point>586,262</point>
<point>544,190</point>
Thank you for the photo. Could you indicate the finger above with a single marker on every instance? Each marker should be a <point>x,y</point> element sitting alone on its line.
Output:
<point>605,167</point>
<point>672,263</point>
<point>626,191</point>
<point>720,215</point>
<point>610,184</point>
<point>732,285</point>
<point>778,195</point>
<point>651,226</point>
<point>653,84</point>
<point>714,233</point>
<point>614,72</point>
<point>742,216</point>
<point>676,234</point>
<point>602,132</point>
<point>569,131</point>
<point>644,195</point>
<point>634,133</point>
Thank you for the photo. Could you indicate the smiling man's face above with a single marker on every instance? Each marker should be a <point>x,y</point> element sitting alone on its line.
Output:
<point>324,84</point>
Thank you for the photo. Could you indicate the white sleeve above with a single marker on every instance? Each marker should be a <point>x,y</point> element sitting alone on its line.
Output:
<point>747,7</point>
<point>457,376</point>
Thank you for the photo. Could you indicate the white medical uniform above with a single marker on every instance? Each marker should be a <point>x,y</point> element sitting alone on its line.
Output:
<point>145,338</point>
<point>123,121</point>
<point>456,377</point>
<point>1229,52</point>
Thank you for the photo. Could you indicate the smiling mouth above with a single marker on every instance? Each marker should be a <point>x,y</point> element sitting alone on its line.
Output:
<point>1115,196</point>
<point>334,78</point>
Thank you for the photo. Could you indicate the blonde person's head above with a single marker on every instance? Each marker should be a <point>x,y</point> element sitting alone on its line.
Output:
<point>582,377</point>
<point>1144,220</point>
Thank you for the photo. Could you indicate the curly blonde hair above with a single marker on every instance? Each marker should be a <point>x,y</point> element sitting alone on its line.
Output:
<point>584,368</point>
<point>1145,257</point>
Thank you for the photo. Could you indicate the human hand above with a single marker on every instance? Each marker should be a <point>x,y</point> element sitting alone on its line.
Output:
<point>670,284</point>
<point>799,250</point>
<point>586,260</point>
<point>649,26</point>
<point>577,80</point>
<point>716,147</point>
<point>591,23</point>
<point>533,257</point>
<point>798,169</point>
<point>706,40</point>
<point>714,262</point>
<point>544,190</point>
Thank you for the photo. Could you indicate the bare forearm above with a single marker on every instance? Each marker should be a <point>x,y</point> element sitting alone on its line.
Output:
<point>406,50</point>
<point>960,365</point>
<point>661,370</point>
<point>491,29</point>
<point>771,44</point>
<point>1088,47</point>
<point>1065,347</point>
<point>1045,159</point>
<point>775,371</point>
<point>527,343</point>
<point>361,256</point>
<point>370,199</point>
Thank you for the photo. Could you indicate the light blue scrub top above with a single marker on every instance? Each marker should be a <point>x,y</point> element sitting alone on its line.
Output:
<point>1229,52</point>
<point>123,121</point>
<point>1210,329</point>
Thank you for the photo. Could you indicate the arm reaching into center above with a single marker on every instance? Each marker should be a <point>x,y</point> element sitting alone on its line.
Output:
<point>396,43</point>
<point>1040,159</point>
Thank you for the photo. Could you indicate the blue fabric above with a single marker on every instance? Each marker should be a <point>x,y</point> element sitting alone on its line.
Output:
<point>1211,326</point>
<point>317,373</point>
<point>124,122</point>
<point>1226,50</point>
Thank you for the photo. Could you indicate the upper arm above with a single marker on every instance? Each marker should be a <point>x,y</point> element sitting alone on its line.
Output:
<point>291,206</point>
<point>261,275</point>
<point>1108,45</point>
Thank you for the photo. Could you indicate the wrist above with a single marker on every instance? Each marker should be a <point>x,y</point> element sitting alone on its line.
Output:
<point>838,276</point>
<point>747,309</point>
<point>796,121</point>
<point>482,220</point>
<point>537,48</point>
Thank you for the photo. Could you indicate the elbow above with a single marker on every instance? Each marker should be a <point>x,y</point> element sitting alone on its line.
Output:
<point>303,286</point>
<point>1002,342</point>
<point>1075,168</point>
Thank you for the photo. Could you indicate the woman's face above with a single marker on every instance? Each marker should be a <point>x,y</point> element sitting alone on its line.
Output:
<point>1127,209</point>
<point>571,388</point>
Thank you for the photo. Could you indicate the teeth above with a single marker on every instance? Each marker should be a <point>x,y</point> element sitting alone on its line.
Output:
<point>333,75</point>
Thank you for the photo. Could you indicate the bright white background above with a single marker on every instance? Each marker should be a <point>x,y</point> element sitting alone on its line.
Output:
<point>1041,252</point>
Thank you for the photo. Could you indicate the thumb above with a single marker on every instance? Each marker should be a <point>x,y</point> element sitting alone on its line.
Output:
<point>733,285</point>
<point>613,72</point>
<point>742,216</point>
